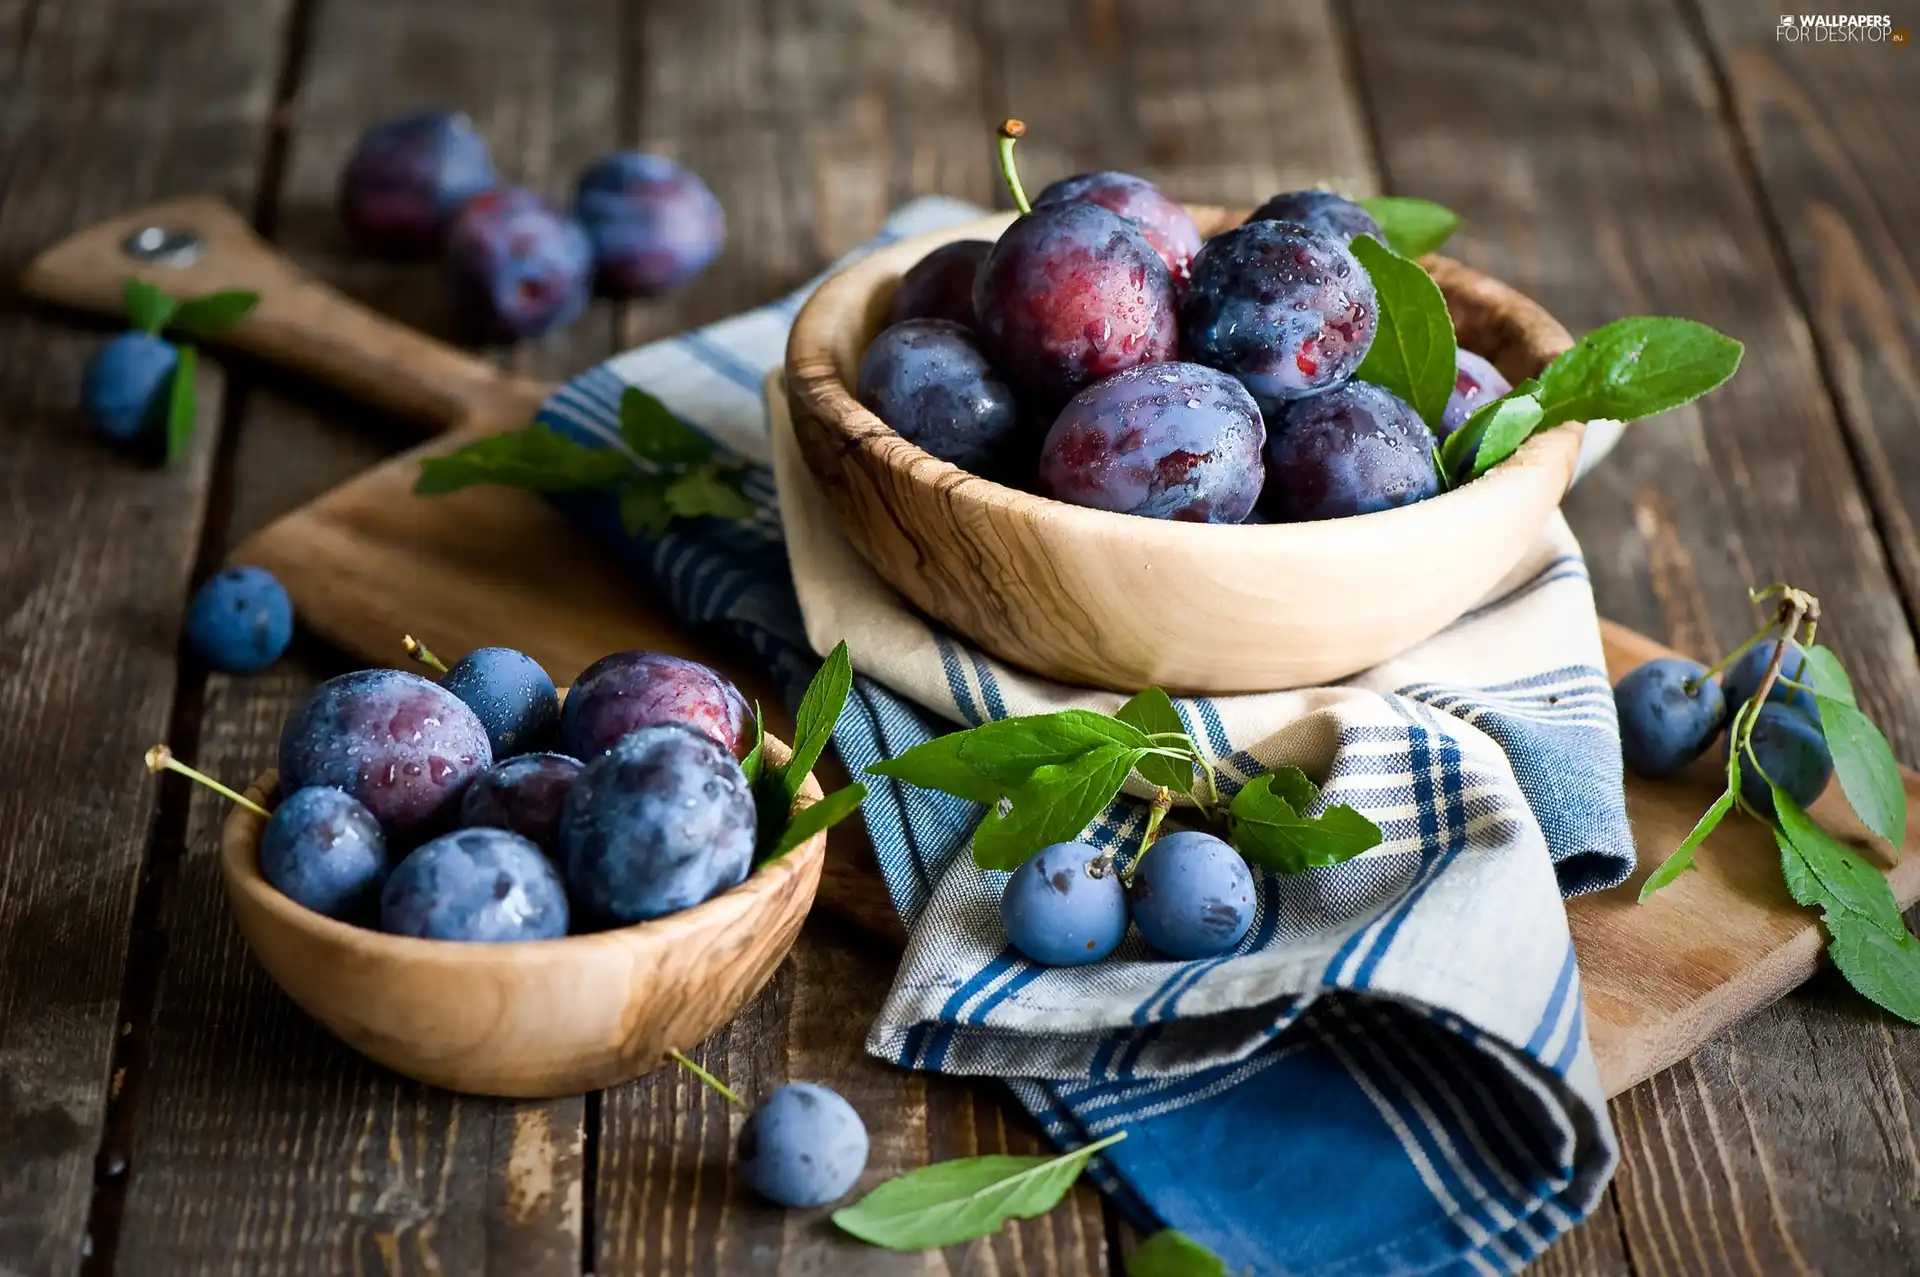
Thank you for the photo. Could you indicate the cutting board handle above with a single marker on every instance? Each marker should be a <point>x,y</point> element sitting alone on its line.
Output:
<point>300,324</point>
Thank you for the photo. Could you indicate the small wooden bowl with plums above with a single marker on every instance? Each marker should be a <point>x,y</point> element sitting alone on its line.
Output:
<point>1097,597</point>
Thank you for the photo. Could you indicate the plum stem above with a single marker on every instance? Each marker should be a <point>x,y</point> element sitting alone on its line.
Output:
<point>1010,132</point>
<point>1692,685</point>
<point>1795,606</point>
<point>161,759</point>
<point>726,1092</point>
<point>1162,804</point>
<point>422,653</point>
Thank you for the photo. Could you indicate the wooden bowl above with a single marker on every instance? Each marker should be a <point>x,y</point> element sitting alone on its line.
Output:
<point>1118,601</point>
<point>535,1019</point>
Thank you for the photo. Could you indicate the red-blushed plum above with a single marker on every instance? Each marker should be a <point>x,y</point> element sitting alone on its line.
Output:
<point>1475,382</point>
<point>1191,895</point>
<point>653,223</point>
<point>525,794</point>
<point>516,265</point>
<point>1162,220</point>
<point>1287,310</point>
<point>401,744</point>
<point>1353,450</point>
<point>660,822</point>
<point>624,691</point>
<point>408,177</point>
<point>940,285</point>
<point>1072,293</point>
<point>488,886</point>
<point>323,849</point>
<point>1065,906</point>
<point>1168,441</point>
<point>1670,711</point>
<point>1322,211</point>
<point>930,381</point>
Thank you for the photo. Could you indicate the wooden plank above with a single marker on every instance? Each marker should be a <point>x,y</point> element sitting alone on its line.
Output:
<point>95,552</point>
<point>263,1145</point>
<point>1586,150</point>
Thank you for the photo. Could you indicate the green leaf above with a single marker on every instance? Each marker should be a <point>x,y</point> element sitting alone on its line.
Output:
<point>1012,749</point>
<point>819,711</point>
<point>1270,832</point>
<point>1293,787</point>
<point>1153,713</point>
<point>536,457</point>
<point>643,506</point>
<point>1682,858</point>
<point>952,1202</point>
<point>214,313</point>
<point>757,756</point>
<point>1413,227</point>
<point>1824,671</point>
<point>148,308</point>
<point>1844,880</point>
<point>1412,351</point>
<point>181,406</point>
<point>1634,368</point>
<point>657,435</point>
<point>1171,1253</point>
<point>1510,422</point>
<point>937,764</point>
<point>825,814</point>
<point>1883,969</point>
<point>1864,762</point>
<point>706,492</point>
<point>1055,804</point>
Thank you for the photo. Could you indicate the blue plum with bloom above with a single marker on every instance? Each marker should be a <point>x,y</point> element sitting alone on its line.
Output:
<point>802,1146</point>
<point>526,794</point>
<point>940,285</point>
<point>512,696</point>
<point>125,387</point>
<point>240,620</point>
<point>1322,211</point>
<point>1670,710</point>
<point>1192,895</point>
<point>1065,906</point>
<point>323,850</point>
<point>485,886</point>
<point>1791,752</point>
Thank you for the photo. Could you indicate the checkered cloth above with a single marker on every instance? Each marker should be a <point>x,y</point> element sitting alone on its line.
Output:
<point>1391,1073</point>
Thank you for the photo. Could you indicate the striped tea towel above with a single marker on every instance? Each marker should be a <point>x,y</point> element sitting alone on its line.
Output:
<point>1391,1073</point>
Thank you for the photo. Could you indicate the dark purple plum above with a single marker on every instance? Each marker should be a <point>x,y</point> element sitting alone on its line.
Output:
<point>487,886</point>
<point>324,850</point>
<point>1162,220</point>
<point>1743,678</point>
<point>659,823</point>
<point>1792,753</point>
<point>1191,895</point>
<point>930,381</point>
<point>1287,310</point>
<point>1670,710</point>
<point>1322,211</point>
<point>1168,441</point>
<point>524,794</point>
<point>408,177</point>
<point>1475,382</point>
<point>940,285</point>
<point>517,266</point>
<point>1353,450</point>
<point>401,744</point>
<point>510,694</point>
<point>1072,293</point>
<point>625,691</point>
<point>654,224</point>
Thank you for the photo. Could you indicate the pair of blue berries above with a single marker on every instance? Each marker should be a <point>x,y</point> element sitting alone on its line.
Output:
<point>1671,710</point>
<point>1191,895</point>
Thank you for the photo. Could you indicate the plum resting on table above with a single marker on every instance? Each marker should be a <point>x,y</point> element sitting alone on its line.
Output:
<point>654,224</point>
<point>526,794</point>
<point>517,266</point>
<point>1058,911</point>
<point>660,822</point>
<point>802,1146</point>
<point>1192,895</point>
<point>1665,723</point>
<point>408,177</point>
<point>1162,220</point>
<point>510,694</point>
<point>929,380</point>
<point>1169,441</point>
<point>485,885</point>
<point>1352,450</point>
<point>324,850</point>
<point>627,690</point>
<point>401,744</point>
<point>1791,752</point>
<point>1072,293</point>
<point>125,388</point>
<point>1322,211</point>
<point>940,285</point>
<point>240,620</point>
<point>1287,310</point>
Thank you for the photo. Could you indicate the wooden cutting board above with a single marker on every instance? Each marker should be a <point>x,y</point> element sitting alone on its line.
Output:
<point>369,560</point>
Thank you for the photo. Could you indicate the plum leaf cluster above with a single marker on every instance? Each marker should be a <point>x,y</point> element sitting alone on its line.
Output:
<point>152,311</point>
<point>775,788</point>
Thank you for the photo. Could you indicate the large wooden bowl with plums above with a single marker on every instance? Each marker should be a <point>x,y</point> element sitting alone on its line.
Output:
<point>1123,602</point>
<point>537,1018</point>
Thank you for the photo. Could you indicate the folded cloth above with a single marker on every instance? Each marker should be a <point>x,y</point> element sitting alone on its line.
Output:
<point>1391,1073</point>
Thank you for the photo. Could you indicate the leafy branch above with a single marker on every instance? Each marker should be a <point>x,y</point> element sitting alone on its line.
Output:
<point>775,788</point>
<point>153,311</point>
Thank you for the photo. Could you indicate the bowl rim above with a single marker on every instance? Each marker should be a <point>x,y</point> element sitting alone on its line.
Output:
<point>240,866</point>
<point>813,375</point>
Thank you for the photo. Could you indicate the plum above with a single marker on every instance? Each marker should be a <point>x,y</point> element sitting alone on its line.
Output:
<point>1322,211</point>
<point>1670,710</point>
<point>517,266</point>
<point>653,223</point>
<point>408,177</point>
<point>240,620</point>
<point>1475,382</point>
<point>930,381</point>
<point>940,285</point>
<point>323,850</point>
<point>525,793</point>
<point>1162,220</point>
<point>802,1146</point>
<point>1169,441</point>
<point>627,690</point>
<point>125,388</point>
<point>488,886</point>
<point>1744,676</point>
<point>1353,450</point>
<point>1191,895</point>
<point>1791,752</point>
<point>510,694</point>
<point>1065,906</point>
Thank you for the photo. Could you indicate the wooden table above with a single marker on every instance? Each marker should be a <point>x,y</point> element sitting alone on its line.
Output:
<point>163,1110</point>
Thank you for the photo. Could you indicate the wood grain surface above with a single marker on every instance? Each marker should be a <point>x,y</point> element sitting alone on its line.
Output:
<point>1610,158</point>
